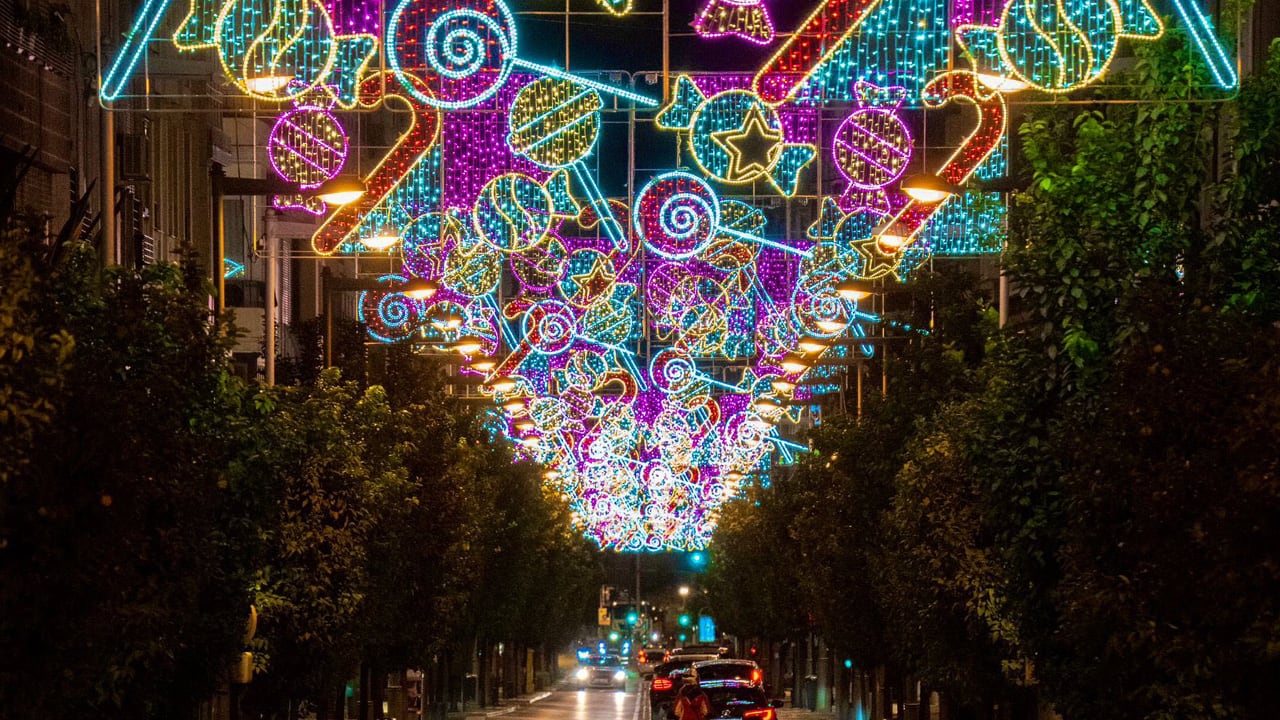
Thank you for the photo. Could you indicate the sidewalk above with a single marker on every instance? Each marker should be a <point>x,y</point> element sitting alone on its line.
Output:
<point>790,713</point>
<point>508,705</point>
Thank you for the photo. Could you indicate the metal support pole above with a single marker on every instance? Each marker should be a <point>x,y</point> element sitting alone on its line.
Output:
<point>328,317</point>
<point>273,290</point>
<point>110,247</point>
<point>219,251</point>
<point>666,50</point>
<point>1004,298</point>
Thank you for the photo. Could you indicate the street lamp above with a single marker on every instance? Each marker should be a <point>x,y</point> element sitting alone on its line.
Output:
<point>341,190</point>
<point>928,188</point>
<point>338,191</point>
<point>684,591</point>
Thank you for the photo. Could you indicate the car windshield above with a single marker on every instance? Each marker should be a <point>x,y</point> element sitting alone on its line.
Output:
<point>742,672</point>
<point>723,697</point>
<point>611,661</point>
<point>679,665</point>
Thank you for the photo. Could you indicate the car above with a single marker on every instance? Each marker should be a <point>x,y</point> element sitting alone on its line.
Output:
<point>716,650</point>
<point>711,673</point>
<point>667,679</point>
<point>601,671</point>
<point>743,701</point>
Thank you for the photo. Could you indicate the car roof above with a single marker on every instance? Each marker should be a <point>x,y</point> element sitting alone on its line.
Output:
<point>724,661</point>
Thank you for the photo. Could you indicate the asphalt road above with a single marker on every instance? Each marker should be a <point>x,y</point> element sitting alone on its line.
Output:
<point>595,704</point>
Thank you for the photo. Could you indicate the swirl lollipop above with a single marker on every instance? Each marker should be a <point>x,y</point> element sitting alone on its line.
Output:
<point>677,215</point>
<point>391,316</point>
<point>465,53</point>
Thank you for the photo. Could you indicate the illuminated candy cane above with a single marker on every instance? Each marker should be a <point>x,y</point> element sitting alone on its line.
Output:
<point>809,47</point>
<point>387,176</point>
<point>956,85</point>
<point>1201,30</point>
<point>135,43</point>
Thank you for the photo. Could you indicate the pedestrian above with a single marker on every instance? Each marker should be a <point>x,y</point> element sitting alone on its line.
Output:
<point>692,702</point>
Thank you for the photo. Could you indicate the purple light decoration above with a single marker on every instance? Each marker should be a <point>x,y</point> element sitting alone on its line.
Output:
<point>356,16</point>
<point>307,145</point>
<point>871,148</point>
<point>747,19</point>
<point>473,150</point>
<point>799,121</point>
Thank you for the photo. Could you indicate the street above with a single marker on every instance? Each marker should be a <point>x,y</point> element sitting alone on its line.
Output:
<point>567,703</point>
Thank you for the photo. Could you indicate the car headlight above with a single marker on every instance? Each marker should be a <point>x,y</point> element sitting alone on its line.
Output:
<point>620,675</point>
<point>582,674</point>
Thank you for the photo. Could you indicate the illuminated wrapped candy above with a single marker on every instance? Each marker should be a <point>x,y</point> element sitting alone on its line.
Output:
<point>747,19</point>
<point>308,146</point>
<point>872,147</point>
<point>736,137</point>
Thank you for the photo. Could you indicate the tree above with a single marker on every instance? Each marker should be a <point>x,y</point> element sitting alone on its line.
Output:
<point>124,595</point>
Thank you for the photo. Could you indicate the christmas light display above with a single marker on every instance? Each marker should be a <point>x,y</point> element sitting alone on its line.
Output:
<point>747,19</point>
<point>644,337</point>
<point>275,49</point>
<point>1057,45</point>
<point>735,137</point>
<point>467,51</point>
<point>871,147</point>
<point>307,145</point>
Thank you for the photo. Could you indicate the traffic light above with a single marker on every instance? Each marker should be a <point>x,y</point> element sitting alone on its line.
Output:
<point>633,618</point>
<point>685,620</point>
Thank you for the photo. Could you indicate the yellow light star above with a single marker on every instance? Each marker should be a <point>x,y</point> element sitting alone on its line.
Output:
<point>878,262</point>
<point>753,148</point>
<point>594,283</point>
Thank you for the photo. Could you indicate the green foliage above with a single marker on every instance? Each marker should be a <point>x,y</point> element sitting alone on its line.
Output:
<point>148,498</point>
<point>1088,510</point>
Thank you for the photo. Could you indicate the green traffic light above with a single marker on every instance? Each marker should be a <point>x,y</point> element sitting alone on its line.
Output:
<point>613,637</point>
<point>685,620</point>
<point>632,618</point>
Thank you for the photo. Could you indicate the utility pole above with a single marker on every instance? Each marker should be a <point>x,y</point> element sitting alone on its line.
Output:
<point>273,291</point>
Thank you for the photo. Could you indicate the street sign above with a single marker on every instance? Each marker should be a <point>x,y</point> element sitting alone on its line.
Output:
<point>603,618</point>
<point>706,629</point>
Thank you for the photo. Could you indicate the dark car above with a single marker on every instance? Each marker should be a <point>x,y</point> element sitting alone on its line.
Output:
<point>742,672</point>
<point>730,699</point>
<point>667,679</point>
<point>713,650</point>
<point>601,671</point>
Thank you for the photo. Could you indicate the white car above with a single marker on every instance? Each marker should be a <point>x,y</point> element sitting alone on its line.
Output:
<point>605,672</point>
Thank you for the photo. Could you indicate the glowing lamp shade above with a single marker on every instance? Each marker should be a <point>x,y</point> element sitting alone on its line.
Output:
<point>341,190</point>
<point>483,364</point>
<point>794,364</point>
<point>1001,83</point>
<point>889,237</point>
<point>384,238</point>
<point>783,386</point>
<point>829,326</point>
<point>766,406</point>
<point>733,476</point>
<point>524,426</point>
<point>928,188</point>
<point>854,290</point>
<point>469,345</point>
<point>452,321</point>
<point>813,345</point>
<point>420,289</point>
<point>516,406</point>
<point>504,385</point>
<point>266,84</point>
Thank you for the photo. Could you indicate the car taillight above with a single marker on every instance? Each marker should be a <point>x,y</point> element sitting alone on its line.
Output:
<point>766,714</point>
<point>642,658</point>
<point>661,684</point>
<point>757,676</point>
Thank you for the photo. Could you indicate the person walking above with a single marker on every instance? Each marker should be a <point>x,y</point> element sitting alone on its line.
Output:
<point>692,702</point>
